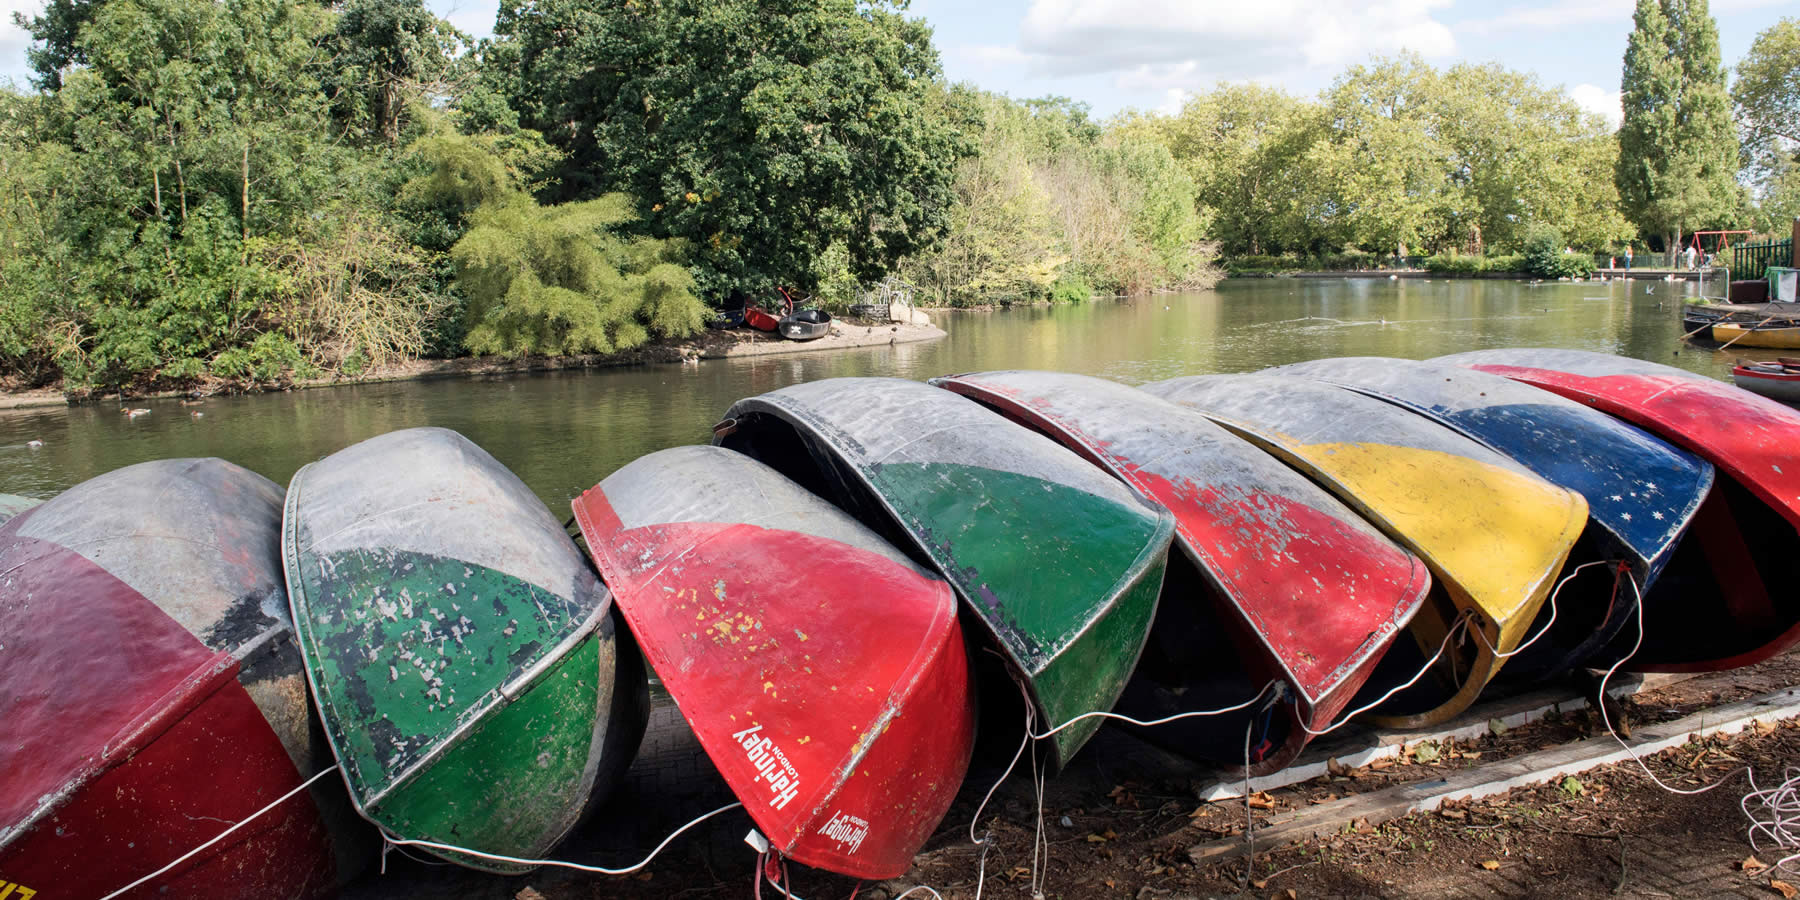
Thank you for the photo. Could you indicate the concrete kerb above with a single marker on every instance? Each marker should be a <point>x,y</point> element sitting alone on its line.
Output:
<point>1504,775</point>
<point>1357,746</point>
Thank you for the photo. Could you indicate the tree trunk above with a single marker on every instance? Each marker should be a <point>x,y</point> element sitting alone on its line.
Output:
<point>246,194</point>
<point>1672,247</point>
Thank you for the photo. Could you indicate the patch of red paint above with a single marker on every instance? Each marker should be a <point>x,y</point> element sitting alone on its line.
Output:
<point>828,684</point>
<point>132,743</point>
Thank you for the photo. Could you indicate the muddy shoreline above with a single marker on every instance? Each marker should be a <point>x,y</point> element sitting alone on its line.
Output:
<point>710,345</point>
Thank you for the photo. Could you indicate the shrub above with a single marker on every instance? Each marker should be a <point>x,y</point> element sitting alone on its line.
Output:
<point>1544,256</point>
<point>1070,290</point>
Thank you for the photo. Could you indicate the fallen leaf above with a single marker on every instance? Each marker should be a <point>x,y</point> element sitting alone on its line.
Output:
<point>1336,768</point>
<point>1573,786</point>
<point>1289,893</point>
<point>1496,726</point>
<point>1425,751</point>
<point>1095,839</point>
<point>1363,827</point>
<point>1490,864</point>
<point>1197,813</point>
<point>1260,883</point>
<point>1787,890</point>
<point>1382,764</point>
<point>1261,800</point>
<point>528,894</point>
<point>1752,864</point>
<point>1453,814</point>
<point>1471,754</point>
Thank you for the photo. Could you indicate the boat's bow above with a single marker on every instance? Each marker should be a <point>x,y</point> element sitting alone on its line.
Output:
<point>1298,579</point>
<point>1494,534</point>
<point>1059,563</point>
<point>821,669</point>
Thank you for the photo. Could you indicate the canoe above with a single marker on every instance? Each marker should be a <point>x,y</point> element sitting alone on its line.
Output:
<point>153,695</point>
<point>11,505</point>
<point>761,319</point>
<point>459,646</point>
<point>1750,334</point>
<point>1772,380</point>
<point>1494,535</point>
<point>831,691</point>
<point>1060,564</point>
<point>1749,528</point>
<point>1291,584</point>
<point>1642,494</point>
<point>806,325</point>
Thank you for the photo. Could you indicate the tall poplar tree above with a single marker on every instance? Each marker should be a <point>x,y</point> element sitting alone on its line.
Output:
<point>1678,151</point>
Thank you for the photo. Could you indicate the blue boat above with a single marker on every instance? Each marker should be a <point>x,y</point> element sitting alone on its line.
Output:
<point>1642,493</point>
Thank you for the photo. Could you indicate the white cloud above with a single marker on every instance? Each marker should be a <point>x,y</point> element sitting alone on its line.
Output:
<point>1599,101</point>
<point>988,56</point>
<point>1559,16</point>
<point>1168,44</point>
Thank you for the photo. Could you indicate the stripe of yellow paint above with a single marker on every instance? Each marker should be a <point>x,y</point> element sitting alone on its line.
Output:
<point>1497,537</point>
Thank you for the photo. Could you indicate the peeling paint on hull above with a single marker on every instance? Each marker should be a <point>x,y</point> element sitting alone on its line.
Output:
<point>1060,564</point>
<point>460,648</point>
<point>1494,534</point>
<point>831,689</point>
<point>1642,493</point>
<point>1749,528</point>
<point>1293,573</point>
<point>153,694</point>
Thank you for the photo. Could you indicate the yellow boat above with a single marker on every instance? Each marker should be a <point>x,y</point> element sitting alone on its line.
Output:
<point>1495,535</point>
<point>1776,337</point>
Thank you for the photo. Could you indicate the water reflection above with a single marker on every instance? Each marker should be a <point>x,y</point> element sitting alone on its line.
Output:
<point>562,432</point>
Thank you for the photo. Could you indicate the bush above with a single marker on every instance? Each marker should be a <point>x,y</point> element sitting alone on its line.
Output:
<point>1544,256</point>
<point>1454,263</point>
<point>1070,290</point>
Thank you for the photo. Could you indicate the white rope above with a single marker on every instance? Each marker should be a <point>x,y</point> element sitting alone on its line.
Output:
<point>1164,719</point>
<point>1546,629</point>
<point>223,834</point>
<point>1781,805</point>
<point>1462,621</point>
<point>599,870</point>
<point>1607,718</point>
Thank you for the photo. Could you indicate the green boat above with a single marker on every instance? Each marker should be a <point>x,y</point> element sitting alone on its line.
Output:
<point>1060,563</point>
<point>463,654</point>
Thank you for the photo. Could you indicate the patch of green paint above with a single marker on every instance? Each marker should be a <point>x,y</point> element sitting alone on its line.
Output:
<point>1066,580</point>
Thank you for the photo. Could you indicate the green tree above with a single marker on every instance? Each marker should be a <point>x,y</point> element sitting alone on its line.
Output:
<point>553,280</point>
<point>1390,166</point>
<point>55,43</point>
<point>1766,96</point>
<point>761,132</point>
<point>387,53</point>
<point>1678,152</point>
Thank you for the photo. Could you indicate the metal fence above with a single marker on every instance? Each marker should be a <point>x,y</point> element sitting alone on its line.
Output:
<point>1749,260</point>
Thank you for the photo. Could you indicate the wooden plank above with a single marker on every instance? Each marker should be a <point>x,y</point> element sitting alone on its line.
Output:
<point>1357,745</point>
<point>1504,775</point>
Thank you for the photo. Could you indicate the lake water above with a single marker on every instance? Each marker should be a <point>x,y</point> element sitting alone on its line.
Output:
<point>562,432</point>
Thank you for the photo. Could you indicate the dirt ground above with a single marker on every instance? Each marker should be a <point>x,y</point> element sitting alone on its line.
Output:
<point>1119,823</point>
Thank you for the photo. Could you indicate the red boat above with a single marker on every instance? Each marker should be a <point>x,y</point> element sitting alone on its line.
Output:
<point>831,690</point>
<point>1748,528</point>
<point>154,696</point>
<point>760,319</point>
<point>1778,381</point>
<point>1290,584</point>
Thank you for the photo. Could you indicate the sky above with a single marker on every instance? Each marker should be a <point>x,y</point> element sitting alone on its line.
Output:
<point>1151,54</point>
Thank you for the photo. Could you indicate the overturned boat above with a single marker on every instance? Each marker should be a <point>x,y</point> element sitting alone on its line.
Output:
<point>153,695</point>
<point>461,649</point>
<point>1641,492</point>
<point>1494,535</point>
<point>12,504</point>
<point>1276,580</point>
<point>830,689</point>
<point>1747,531</point>
<point>1060,564</point>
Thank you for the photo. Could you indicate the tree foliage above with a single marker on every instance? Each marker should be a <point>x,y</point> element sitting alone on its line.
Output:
<point>1766,96</point>
<point>553,280</point>
<point>1678,153</point>
<point>760,132</point>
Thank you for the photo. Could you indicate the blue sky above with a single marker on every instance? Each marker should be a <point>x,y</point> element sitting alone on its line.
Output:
<point>1114,54</point>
